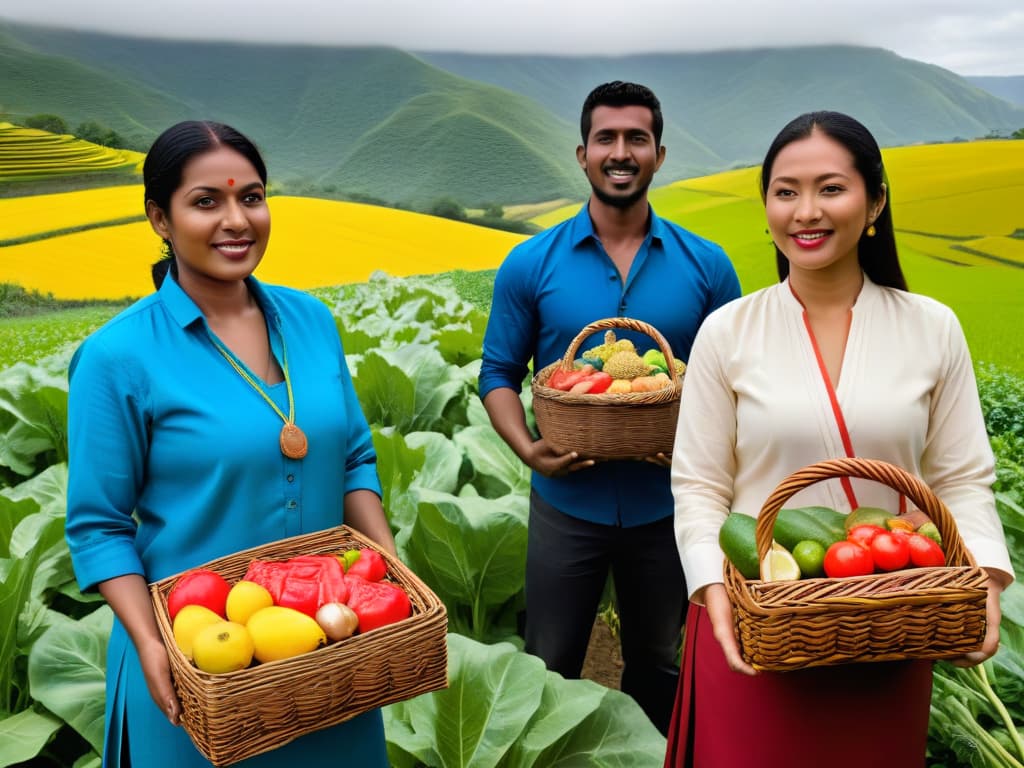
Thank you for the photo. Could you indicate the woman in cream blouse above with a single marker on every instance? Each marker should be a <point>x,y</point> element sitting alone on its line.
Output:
<point>758,405</point>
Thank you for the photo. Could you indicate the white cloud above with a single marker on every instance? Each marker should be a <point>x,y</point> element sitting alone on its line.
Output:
<point>981,37</point>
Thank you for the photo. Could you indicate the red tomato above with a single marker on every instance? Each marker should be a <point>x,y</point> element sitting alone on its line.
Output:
<point>890,551</point>
<point>199,587</point>
<point>848,558</point>
<point>370,565</point>
<point>924,552</point>
<point>864,534</point>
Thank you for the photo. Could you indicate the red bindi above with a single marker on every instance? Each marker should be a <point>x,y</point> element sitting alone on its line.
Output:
<point>231,182</point>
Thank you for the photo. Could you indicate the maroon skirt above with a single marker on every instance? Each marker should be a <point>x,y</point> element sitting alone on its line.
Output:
<point>852,715</point>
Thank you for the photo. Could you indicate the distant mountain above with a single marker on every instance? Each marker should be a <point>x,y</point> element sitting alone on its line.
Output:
<point>365,121</point>
<point>731,103</point>
<point>33,83</point>
<point>410,129</point>
<point>1010,88</point>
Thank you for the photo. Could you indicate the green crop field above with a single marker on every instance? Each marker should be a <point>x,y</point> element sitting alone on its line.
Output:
<point>959,214</point>
<point>958,210</point>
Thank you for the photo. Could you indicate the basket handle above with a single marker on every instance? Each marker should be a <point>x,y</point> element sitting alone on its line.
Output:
<point>867,469</point>
<point>629,324</point>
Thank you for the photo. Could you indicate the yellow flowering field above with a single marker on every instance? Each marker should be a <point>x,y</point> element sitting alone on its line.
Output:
<point>33,214</point>
<point>313,243</point>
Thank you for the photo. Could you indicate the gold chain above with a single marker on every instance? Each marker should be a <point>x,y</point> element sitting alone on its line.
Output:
<point>290,418</point>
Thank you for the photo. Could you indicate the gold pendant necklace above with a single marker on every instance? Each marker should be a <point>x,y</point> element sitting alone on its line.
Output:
<point>292,439</point>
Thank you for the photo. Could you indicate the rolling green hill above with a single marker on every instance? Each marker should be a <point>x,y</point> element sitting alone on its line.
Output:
<point>372,121</point>
<point>733,102</point>
<point>35,83</point>
<point>1010,87</point>
<point>409,129</point>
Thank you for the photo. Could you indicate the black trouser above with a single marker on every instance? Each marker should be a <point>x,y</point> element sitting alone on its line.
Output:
<point>567,565</point>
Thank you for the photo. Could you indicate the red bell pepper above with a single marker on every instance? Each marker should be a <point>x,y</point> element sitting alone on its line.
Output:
<point>369,564</point>
<point>376,603</point>
<point>565,380</point>
<point>599,382</point>
<point>304,583</point>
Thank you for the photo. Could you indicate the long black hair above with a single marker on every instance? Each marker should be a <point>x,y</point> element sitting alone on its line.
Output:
<point>877,255</point>
<point>166,160</point>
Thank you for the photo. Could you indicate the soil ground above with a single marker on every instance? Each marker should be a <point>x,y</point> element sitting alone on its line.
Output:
<point>603,663</point>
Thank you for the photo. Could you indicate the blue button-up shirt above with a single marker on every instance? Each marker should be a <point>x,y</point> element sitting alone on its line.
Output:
<point>174,457</point>
<point>561,280</point>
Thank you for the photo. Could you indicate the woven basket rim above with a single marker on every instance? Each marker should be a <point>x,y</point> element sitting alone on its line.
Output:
<point>538,384</point>
<point>954,593</point>
<point>416,643</point>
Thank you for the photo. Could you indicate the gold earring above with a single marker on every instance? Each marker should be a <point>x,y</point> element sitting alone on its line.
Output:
<point>870,232</point>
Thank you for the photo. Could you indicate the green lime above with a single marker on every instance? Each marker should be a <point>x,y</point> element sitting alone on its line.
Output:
<point>810,556</point>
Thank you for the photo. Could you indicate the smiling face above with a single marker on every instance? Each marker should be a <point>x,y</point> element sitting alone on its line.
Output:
<point>621,155</point>
<point>817,204</point>
<point>217,222</point>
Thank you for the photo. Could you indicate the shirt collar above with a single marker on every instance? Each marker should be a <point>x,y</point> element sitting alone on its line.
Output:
<point>582,226</point>
<point>185,311</point>
<point>868,291</point>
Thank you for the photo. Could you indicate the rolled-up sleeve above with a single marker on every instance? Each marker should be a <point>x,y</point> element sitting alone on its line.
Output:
<point>107,445</point>
<point>511,329</point>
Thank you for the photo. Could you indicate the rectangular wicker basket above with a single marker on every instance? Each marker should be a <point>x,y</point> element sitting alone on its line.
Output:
<point>240,714</point>
<point>630,425</point>
<point>916,613</point>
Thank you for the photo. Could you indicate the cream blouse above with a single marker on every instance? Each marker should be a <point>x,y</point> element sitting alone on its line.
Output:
<point>755,408</point>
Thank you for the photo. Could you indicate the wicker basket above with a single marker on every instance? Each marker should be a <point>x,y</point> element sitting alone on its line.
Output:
<point>236,715</point>
<point>630,425</point>
<point>917,613</point>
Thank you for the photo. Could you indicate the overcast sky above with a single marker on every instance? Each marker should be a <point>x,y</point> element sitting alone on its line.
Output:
<point>969,37</point>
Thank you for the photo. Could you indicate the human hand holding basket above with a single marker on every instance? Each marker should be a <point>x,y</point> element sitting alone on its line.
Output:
<point>917,613</point>
<point>629,425</point>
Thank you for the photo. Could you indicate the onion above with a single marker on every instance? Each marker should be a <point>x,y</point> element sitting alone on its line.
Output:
<point>337,620</point>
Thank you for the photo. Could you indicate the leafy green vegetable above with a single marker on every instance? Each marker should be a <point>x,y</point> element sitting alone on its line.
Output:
<point>503,708</point>
<point>66,671</point>
<point>24,734</point>
<point>33,415</point>
<point>470,551</point>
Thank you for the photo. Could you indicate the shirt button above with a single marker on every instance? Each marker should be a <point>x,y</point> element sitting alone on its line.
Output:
<point>292,504</point>
<point>291,478</point>
<point>613,278</point>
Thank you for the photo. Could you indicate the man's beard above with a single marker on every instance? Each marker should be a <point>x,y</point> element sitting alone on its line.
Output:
<point>619,201</point>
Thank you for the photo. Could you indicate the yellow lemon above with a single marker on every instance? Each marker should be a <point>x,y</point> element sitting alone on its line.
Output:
<point>187,623</point>
<point>279,633</point>
<point>222,647</point>
<point>779,565</point>
<point>245,598</point>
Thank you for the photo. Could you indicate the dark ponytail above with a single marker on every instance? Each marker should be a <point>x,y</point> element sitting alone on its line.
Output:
<point>166,160</point>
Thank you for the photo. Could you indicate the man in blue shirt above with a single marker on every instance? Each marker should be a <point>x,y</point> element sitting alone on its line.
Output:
<point>614,258</point>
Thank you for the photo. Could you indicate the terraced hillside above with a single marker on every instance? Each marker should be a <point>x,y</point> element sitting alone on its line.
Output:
<point>30,153</point>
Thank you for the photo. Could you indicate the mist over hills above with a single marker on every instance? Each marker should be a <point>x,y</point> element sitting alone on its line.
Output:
<point>1009,87</point>
<point>409,128</point>
<point>732,103</point>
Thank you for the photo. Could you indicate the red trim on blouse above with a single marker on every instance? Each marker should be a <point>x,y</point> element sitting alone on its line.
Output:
<point>851,497</point>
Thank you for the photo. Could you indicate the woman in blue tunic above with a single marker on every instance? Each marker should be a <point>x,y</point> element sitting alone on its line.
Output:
<point>214,415</point>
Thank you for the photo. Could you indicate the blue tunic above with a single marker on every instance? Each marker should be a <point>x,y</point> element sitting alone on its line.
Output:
<point>556,283</point>
<point>174,461</point>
